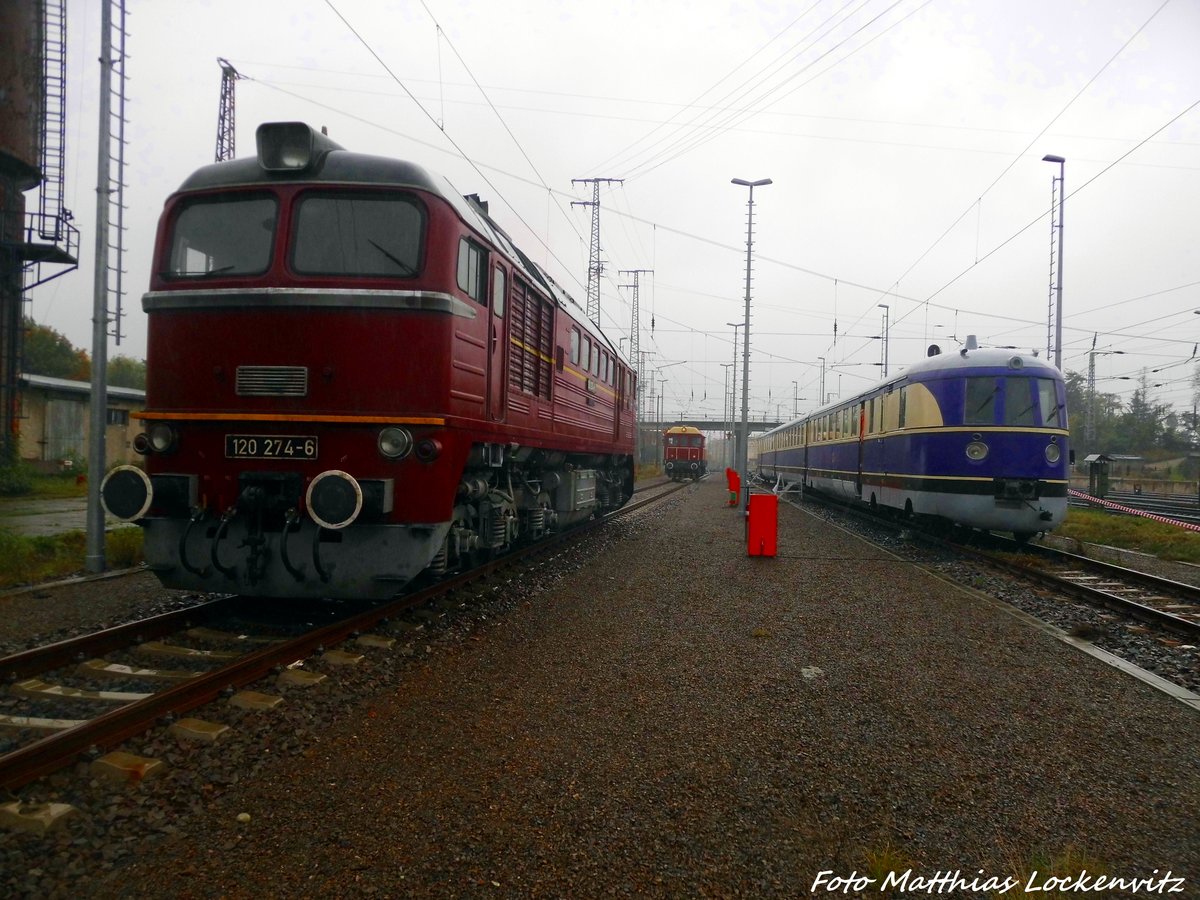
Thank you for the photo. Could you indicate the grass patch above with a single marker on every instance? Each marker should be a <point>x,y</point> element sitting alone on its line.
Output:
<point>1071,862</point>
<point>1132,533</point>
<point>647,470</point>
<point>57,487</point>
<point>29,560</point>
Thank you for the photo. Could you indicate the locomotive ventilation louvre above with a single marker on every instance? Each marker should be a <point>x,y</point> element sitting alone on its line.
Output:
<point>272,381</point>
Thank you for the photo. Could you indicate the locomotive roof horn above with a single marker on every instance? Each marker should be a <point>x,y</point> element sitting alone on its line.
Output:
<point>291,146</point>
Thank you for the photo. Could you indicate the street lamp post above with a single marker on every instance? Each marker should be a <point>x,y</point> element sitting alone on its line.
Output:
<point>743,450</point>
<point>727,411</point>
<point>733,395</point>
<point>1058,286</point>
<point>886,311</point>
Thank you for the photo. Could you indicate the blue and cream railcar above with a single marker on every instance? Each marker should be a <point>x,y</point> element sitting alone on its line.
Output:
<point>978,437</point>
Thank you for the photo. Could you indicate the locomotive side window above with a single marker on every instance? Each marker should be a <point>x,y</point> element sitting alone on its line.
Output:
<point>471,270</point>
<point>359,234</point>
<point>980,407</point>
<point>1020,400</point>
<point>498,292</point>
<point>574,346</point>
<point>222,236</point>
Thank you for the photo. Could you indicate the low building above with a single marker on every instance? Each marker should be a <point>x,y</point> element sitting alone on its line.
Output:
<point>54,422</point>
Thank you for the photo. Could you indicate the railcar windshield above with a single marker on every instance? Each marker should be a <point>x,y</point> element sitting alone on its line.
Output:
<point>1054,414</point>
<point>1020,402</point>
<point>357,234</point>
<point>230,235</point>
<point>1014,401</point>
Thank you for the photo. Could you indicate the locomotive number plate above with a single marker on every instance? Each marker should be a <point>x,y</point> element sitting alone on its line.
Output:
<point>270,446</point>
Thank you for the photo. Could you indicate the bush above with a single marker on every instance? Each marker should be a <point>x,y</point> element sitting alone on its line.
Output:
<point>27,560</point>
<point>123,547</point>
<point>15,479</point>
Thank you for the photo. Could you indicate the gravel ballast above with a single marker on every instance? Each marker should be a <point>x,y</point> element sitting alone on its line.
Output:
<point>669,717</point>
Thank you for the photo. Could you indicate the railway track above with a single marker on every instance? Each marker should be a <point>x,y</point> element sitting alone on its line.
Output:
<point>1157,601</point>
<point>208,663</point>
<point>1150,599</point>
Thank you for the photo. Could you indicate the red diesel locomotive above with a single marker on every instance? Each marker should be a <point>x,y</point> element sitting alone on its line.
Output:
<point>683,453</point>
<point>354,376</point>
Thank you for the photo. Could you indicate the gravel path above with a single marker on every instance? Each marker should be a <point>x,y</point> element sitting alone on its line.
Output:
<point>670,718</point>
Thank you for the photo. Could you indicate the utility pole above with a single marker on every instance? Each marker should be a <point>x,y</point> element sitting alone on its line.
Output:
<point>226,119</point>
<point>94,560</point>
<point>595,267</point>
<point>1056,308</point>
<point>635,329</point>
<point>1089,431</point>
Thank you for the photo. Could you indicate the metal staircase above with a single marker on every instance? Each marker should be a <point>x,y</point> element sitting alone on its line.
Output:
<point>51,243</point>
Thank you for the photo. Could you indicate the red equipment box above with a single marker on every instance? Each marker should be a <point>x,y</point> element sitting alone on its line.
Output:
<point>762,524</point>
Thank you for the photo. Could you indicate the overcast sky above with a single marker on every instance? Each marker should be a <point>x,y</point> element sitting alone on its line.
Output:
<point>904,139</point>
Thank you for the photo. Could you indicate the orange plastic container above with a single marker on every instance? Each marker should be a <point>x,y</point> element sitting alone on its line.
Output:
<point>762,524</point>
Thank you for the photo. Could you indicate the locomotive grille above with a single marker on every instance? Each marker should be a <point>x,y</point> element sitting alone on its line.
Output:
<point>272,381</point>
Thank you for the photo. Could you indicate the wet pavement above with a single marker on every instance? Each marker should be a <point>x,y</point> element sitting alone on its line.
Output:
<point>33,516</point>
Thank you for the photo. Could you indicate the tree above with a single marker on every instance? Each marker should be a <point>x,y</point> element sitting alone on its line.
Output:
<point>46,352</point>
<point>125,371</point>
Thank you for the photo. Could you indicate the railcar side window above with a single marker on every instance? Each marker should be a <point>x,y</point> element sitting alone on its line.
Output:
<point>903,406</point>
<point>1019,401</point>
<point>980,408</point>
<point>230,235</point>
<point>574,346</point>
<point>365,235</point>
<point>1052,410</point>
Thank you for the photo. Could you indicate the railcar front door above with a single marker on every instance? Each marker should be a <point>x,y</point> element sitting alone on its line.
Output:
<point>498,346</point>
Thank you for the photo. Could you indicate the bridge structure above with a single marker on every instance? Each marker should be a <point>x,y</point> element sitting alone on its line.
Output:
<point>720,446</point>
<point>754,425</point>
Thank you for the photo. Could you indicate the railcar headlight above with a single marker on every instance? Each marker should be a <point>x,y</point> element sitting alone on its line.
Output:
<point>395,443</point>
<point>141,444</point>
<point>1053,453</point>
<point>977,450</point>
<point>162,437</point>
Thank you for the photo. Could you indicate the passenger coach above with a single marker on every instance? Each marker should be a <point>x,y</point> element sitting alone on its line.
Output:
<point>977,437</point>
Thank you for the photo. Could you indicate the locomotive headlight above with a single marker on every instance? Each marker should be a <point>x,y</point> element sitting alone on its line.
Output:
<point>395,443</point>
<point>1053,453</point>
<point>162,438</point>
<point>977,450</point>
<point>141,444</point>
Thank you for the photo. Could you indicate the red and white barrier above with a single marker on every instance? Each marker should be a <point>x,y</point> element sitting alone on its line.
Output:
<point>1129,509</point>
